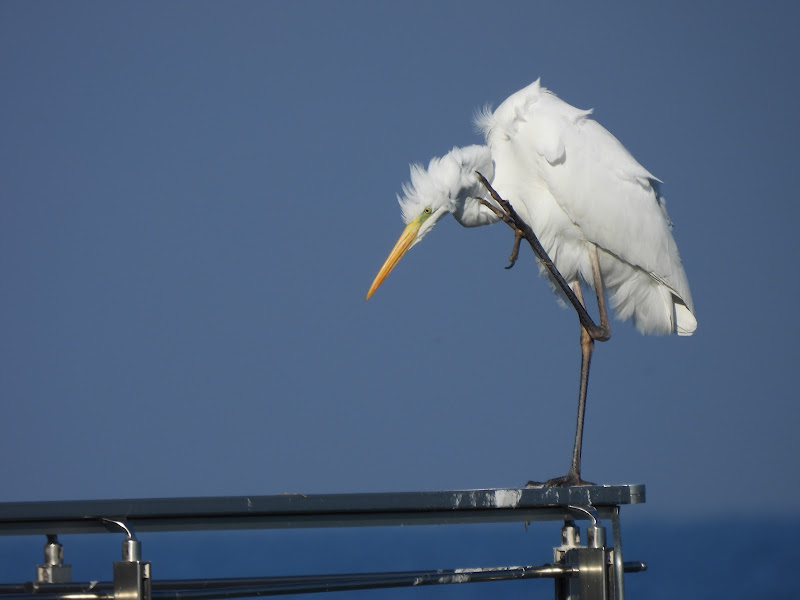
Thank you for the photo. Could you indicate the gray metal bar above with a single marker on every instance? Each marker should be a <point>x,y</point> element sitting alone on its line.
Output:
<point>301,584</point>
<point>386,580</point>
<point>619,583</point>
<point>325,510</point>
<point>205,589</point>
<point>592,577</point>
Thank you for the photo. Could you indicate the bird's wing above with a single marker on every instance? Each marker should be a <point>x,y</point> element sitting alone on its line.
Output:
<point>596,182</point>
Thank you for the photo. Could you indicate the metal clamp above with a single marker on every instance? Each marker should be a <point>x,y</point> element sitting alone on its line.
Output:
<point>591,561</point>
<point>131,575</point>
<point>53,570</point>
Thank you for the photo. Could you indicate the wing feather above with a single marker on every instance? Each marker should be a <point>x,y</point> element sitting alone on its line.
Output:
<point>577,183</point>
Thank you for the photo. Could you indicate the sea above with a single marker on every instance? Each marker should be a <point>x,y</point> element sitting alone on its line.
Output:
<point>730,558</point>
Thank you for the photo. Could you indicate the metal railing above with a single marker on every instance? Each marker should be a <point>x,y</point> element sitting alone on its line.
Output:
<point>593,570</point>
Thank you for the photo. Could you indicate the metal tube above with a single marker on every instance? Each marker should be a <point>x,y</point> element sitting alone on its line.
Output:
<point>60,596</point>
<point>313,584</point>
<point>596,536</point>
<point>201,589</point>
<point>239,587</point>
<point>618,564</point>
<point>297,510</point>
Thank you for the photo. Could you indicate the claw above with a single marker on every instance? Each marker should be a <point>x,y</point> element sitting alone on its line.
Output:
<point>568,480</point>
<point>518,235</point>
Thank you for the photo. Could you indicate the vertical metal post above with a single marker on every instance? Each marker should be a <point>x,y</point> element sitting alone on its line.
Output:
<point>131,575</point>
<point>570,539</point>
<point>592,562</point>
<point>619,574</point>
<point>53,570</point>
<point>591,581</point>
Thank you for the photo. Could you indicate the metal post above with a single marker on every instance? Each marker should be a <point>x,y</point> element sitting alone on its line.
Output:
<point>590,561</point>
<point>131,575</point>
<point>570,539</point>
<point>53,570</point>
<point>592,574</point>
<point>619,579</point>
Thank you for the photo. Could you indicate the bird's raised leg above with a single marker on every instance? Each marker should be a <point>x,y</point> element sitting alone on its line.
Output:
<point>604,331</point>
<point>510,217</point>
<point>590,332</point>
<point>512,260</point>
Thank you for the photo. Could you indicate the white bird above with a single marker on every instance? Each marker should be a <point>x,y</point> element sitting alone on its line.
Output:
<point>598,213</point>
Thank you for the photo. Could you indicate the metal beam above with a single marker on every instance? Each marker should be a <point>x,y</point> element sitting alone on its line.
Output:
<point>206,589</point>
<point>322,510</point>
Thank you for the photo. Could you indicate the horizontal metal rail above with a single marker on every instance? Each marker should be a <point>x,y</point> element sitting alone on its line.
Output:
<point>322,510</point>
<point>207,589</point>
<point>578,570</point>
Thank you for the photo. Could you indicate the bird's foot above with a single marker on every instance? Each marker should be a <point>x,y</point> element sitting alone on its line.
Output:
<point>568,480</point>
<point>518,235</point>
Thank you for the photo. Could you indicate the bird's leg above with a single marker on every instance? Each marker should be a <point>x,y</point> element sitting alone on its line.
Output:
<point>521,228</point>
<point>604,333</point>
<point>515,250</point>
<point>573,477</point>
<point>589,330</point>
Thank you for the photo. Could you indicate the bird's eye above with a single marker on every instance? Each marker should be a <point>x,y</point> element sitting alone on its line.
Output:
<point>427,210</point>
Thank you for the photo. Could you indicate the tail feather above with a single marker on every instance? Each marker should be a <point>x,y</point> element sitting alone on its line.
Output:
<point>685,322</point>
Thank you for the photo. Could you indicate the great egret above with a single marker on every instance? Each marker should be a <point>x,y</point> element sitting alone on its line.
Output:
<point>598,213</point>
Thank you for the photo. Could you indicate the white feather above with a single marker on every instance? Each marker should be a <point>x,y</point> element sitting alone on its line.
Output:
<point>578,187</point>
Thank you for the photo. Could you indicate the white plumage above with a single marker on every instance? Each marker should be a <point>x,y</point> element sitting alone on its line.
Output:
<point>577,186</point>
<point>598,214</point>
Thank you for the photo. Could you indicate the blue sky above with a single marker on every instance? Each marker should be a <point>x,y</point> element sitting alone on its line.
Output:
<point>196,197</point>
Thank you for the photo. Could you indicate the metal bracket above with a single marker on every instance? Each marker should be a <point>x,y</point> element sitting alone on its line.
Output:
<point>592,561</point>
<point>131,575</point>
<point>53,570</point>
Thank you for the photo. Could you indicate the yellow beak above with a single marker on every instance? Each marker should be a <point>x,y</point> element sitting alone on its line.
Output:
<point>405,242</point>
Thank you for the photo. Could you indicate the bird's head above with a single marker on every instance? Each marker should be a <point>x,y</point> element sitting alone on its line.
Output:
<point>446,186</point>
